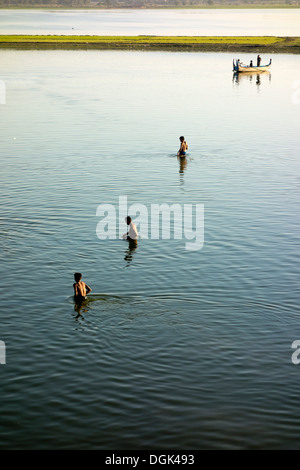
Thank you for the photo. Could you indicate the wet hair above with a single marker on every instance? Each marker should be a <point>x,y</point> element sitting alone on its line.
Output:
<point>128,220</point>
<point>77,276</point>
<point>181,138</point>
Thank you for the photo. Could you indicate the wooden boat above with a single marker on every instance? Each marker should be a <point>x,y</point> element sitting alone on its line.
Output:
<point>239,67</point>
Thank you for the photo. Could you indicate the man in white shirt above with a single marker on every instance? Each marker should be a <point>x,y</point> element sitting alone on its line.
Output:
<point>132,233</point>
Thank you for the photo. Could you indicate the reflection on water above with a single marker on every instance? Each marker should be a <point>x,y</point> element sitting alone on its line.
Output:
<point>132,246</point>
<point>256,77</point>
<point>182,167</point>
<point>80,306</point>
<point>182,164</point>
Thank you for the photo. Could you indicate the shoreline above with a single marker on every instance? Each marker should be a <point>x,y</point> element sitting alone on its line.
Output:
<point>253,6</point>
<point>158,43</point>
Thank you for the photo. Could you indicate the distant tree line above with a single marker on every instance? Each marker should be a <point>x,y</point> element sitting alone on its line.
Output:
<point>140,3</point>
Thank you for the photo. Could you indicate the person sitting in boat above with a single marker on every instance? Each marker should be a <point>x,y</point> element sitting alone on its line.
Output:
<point>258,60</point>
<point>183,147</point>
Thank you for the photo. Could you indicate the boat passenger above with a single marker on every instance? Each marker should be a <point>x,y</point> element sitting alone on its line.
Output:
<point>258,60</point>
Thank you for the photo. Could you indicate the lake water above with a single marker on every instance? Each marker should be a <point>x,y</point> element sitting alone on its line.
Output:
<point>199,22</point>
<point>176,349</point>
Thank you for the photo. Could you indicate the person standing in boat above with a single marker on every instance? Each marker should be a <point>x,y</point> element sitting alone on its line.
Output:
<point>258,60</point>
<point>251,63</point>
<point>183,147</point>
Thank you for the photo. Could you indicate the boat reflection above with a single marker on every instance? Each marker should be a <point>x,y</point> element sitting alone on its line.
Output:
<point>251,77</point>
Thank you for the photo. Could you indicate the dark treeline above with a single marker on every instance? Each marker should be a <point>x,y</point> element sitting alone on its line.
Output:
<point>141,3</point>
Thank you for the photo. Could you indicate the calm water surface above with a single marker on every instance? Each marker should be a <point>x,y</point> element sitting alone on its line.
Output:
<point>190,22</point>
<point>176,349</point>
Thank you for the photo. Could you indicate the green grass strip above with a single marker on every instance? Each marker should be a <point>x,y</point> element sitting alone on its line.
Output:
<point>143,39</point>
<point>154,41</point>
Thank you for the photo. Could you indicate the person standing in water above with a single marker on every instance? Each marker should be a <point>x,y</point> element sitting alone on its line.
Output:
<point>132,233</point>
<point>183,147</point>
<point>81,289</point>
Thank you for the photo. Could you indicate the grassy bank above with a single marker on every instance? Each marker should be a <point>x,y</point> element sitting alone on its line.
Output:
<point>192,43</point>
